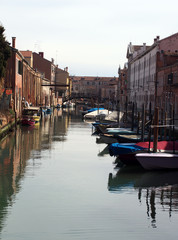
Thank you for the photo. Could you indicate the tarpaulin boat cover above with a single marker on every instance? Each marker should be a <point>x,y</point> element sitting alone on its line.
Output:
<point>116,149</point>
<point>162,145</point>
<point>94,109</point>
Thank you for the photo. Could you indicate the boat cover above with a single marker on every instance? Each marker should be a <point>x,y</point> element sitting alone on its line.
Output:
<point>94,109</point>
<point>116,149</point>
<point>161,145</point>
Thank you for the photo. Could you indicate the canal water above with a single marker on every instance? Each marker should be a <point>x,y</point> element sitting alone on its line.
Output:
<point>57,183</point>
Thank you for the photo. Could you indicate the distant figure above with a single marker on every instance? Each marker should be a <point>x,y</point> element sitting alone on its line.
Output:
<point>25,103</point>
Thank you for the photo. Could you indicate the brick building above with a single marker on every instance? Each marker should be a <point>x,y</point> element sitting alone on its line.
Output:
<point>94,87</point>
<point>13,79</point>
<point>122,87</point>
<point>144,63</point>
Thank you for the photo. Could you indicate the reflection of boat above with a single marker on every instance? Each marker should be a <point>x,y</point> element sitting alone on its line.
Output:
<point>104,151</point>
<point>30,116</point>
<point>152,161</point>
<point>68,104</point>
<point>157,179</point>
<point>158,188</point>
<point>136,177</point>
<point>124,179</point>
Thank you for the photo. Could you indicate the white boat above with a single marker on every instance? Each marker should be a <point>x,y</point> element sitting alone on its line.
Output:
<point>153,161</point>
<point>113,116</point>
<point>100,114</point>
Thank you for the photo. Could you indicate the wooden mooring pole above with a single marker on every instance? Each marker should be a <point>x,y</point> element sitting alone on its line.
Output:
<point>156,122</point>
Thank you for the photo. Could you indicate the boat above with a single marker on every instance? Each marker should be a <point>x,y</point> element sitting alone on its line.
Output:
<point>162,146</point>
<point>101,126</point>
<point>128,138</point>
<point>126,152</point>
<point>30,116</point>
<point>58,105</point>
<point>97,114</point>
<point>111,135</point>
<point>107,139</point>
<point>27,121</point>
<point>129,155</point>
<point>94,109</point>
<point>158,160</point>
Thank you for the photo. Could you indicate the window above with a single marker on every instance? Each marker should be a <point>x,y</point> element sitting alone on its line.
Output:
<point>20,67</point>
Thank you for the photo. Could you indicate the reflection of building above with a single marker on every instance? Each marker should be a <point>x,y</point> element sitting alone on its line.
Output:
<point>162,198</point>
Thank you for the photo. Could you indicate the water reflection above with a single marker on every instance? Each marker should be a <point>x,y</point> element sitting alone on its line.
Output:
<point>20,146</point>
<point>158,190</point>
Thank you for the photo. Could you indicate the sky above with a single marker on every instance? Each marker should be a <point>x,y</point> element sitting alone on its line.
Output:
<point>90,37</point>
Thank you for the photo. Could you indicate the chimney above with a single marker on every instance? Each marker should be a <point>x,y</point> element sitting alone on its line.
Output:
<point>13,41</point>
<point>41,54</point>
<point>52,60</point>
<point>157,38</point>
<point>144,46</point>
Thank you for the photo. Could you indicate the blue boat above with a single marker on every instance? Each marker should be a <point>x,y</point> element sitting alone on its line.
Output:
<point>48,110</point>
<point>126,152</point>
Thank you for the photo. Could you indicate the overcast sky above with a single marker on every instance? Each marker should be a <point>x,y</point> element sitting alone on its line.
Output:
<point>88,36</point>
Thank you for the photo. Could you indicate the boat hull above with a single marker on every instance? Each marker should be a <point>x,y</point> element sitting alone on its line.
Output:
<point>28,122</point>
<point>155,161</point>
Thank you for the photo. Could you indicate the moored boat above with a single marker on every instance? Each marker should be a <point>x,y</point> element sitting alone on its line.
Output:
<point>126,152</point>
<point>28,121</point>
<point>30,116</point>
<point>97,114</point>
<point>154,161</point>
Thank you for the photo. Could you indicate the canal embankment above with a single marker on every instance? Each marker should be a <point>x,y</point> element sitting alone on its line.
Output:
<point>7,122</point>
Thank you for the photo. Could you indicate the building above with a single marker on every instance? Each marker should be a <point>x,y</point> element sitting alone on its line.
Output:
<point>22,81</point>
<point>63,84</point>
<point>144,63</point>
<point>122,87</point>
<point>47,70</point>
<point>99,88</point>
<point>167,83</point>
<point>13,79</point>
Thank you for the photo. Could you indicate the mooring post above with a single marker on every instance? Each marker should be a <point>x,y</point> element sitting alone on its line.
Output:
<point>143,122</point>
<point>133,106</point>
<point>156,122</point>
